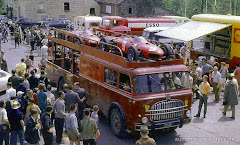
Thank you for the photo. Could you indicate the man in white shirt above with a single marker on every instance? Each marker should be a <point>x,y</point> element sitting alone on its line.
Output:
<point>216,77</point>
<point>11,92</point>
<point>4,121</point>
<point>50,96</point>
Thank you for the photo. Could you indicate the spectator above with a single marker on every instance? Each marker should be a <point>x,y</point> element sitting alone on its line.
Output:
<point>50,96</point>
<point>3,62</point>
<point>14,79</point>
<point>82,94</point>
<point>32,40</point>
<point>26,82</point>
<point>31,106</point>
<point>4,123</point>
<point>206,67</point>
<point>194,74</point>
<point>223,71</point>
<point>22,87</point>
<point>32,126</point>
<point>71,97</point>
<point>21,68</point>
<point>35,90</point>
<point>145,139</point>
<point>31,57</point>
<point>72,126</point>
<point>94,116</point>
<point>42,97</point>
<point>43,62</point>
<point>44,75</point>
<point>59,110</point>
<point>89,128</point>
<point>230,96</point>
<point>33,81</point>
<point>237,74</point>
<point>16,123</point>
<point>216,77</point>
<point>205,91</point>
<point>44,49</point>
<point>17,37</point>
<point>65,88</point>
<point>28,63</point>
<point>47,126</point>
<point>11,92</point>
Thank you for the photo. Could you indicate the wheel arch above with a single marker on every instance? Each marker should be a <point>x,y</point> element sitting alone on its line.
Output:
<point>119,107</point>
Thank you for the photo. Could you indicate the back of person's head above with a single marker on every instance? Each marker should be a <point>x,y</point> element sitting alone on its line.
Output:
<point>70,87</point>
<point>230,77</point>
<point>196,64</point>
<point>72,107</point>
<point>237,64</point>
<point>49,87</point>
<point>49,108</point>
<point>144,130</point>
<point>41,86</point>
<point>13,71</point>
<point>1,104</point>
<point>60,93</point>
<point>86,111</point>
<point>77,84</point>
<point>95,108</point>
<point>21,80</point>
<point>35,90</point>
<point>41,78</point>
<point>9,84</point>
<point>22,60</point>
<point>42,72</point>
<point>26,75</point>
<point>32,72</point>
<point>31,100</point>
<point>33,111</point>
<point>65,86</point>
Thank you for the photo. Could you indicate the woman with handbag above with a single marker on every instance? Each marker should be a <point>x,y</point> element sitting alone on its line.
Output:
<point>230,96</point>
<point>4,129</point>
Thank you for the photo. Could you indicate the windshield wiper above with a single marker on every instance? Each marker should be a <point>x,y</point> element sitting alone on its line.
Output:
<point>155,80</point>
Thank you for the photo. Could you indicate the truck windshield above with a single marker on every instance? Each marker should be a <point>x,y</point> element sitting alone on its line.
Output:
<point>155,83</point>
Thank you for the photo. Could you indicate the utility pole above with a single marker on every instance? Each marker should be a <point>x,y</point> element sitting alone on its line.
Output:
<point>206,6</point>
<point>202,7</point>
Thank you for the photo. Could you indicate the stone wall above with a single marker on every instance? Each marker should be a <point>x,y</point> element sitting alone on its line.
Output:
<point>54,8</point>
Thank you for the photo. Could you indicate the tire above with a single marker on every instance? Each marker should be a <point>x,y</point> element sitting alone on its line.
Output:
<point>104,47</point>
<point>61,82</point>
<point>167,51</point>
<point>117,123</point>
<point>78,41</point>
<point>132,54</point>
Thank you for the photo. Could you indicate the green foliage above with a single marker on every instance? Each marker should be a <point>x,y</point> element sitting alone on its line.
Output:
<point>3,7</point>
<point>199,6</point>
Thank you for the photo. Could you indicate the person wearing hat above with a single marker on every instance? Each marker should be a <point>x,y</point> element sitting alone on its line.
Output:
<point>89,128</point>
<point>19,98</point>
<point>16,122</point>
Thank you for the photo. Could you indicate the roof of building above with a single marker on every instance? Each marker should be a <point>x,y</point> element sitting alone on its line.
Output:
<point>110,1</point>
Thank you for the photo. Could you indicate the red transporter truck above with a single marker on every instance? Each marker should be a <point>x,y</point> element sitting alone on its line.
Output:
<point>129,94</point>
<point>137,25</point>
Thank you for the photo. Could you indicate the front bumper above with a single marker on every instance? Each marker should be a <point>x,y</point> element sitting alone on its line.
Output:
<point>163,124</point>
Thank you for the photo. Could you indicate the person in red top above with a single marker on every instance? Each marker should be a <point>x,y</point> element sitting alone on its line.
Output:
<point>237,74</point>
<point>35,90</point>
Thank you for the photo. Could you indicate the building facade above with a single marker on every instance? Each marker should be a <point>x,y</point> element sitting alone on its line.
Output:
<point>40,9</point>
<point>132,8</point>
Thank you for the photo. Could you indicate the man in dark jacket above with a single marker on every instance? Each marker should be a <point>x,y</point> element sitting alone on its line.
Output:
<point>230,96</point>
<point>32,126</point>
<point>14,79</point>
<point>82,95</point>
<point>47,130</point>
<point>33,81</point>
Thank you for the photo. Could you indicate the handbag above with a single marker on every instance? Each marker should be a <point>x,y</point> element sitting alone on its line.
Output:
<point>225,103</point>
<point>3,127</point>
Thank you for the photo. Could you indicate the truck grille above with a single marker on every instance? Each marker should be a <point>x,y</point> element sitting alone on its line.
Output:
<point>167,109</point>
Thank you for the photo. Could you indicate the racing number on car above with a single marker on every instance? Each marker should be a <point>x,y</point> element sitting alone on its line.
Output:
<point>123,45</point>
<point>152,25</point>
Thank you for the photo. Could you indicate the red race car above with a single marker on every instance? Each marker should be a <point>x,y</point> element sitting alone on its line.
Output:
<point>133,47</point>
<point>86,37</point>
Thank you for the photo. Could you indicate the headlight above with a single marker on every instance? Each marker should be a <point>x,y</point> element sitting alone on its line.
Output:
<point>144,120</point>
<point>153,48</point>
<point>189,114</point>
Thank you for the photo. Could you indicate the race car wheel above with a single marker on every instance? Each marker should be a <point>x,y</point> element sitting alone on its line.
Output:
<point>103,46</point>
<point>167,51</point>
<point>132,53</point>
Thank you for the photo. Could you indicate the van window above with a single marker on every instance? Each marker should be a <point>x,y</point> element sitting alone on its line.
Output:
<point>124,82</point>
<point>150,83</point>
<point>110,77</point>
<point>178,80</point>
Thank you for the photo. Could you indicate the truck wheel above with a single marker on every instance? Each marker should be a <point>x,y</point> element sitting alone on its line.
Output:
<point>104,47</point>
<point>117,124</point>
<point>61,82</point>
<point>132,53</point>
<point>78,41</point>
<point>167,51</point>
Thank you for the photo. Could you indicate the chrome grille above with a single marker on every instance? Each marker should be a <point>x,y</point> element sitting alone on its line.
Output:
<point>166,110</point>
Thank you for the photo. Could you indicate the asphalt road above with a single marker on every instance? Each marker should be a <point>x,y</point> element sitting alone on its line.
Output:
<point>215,129</point>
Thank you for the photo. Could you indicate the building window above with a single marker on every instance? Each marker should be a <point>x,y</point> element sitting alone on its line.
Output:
<point>92,11</point>
<point>130,10</point>
<point>66,6</point>
<point>40,8</point>
<point>108,9</point>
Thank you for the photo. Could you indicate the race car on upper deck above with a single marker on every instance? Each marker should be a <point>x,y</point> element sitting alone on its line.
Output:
<point>133,47</point>
<point>86,37</point>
